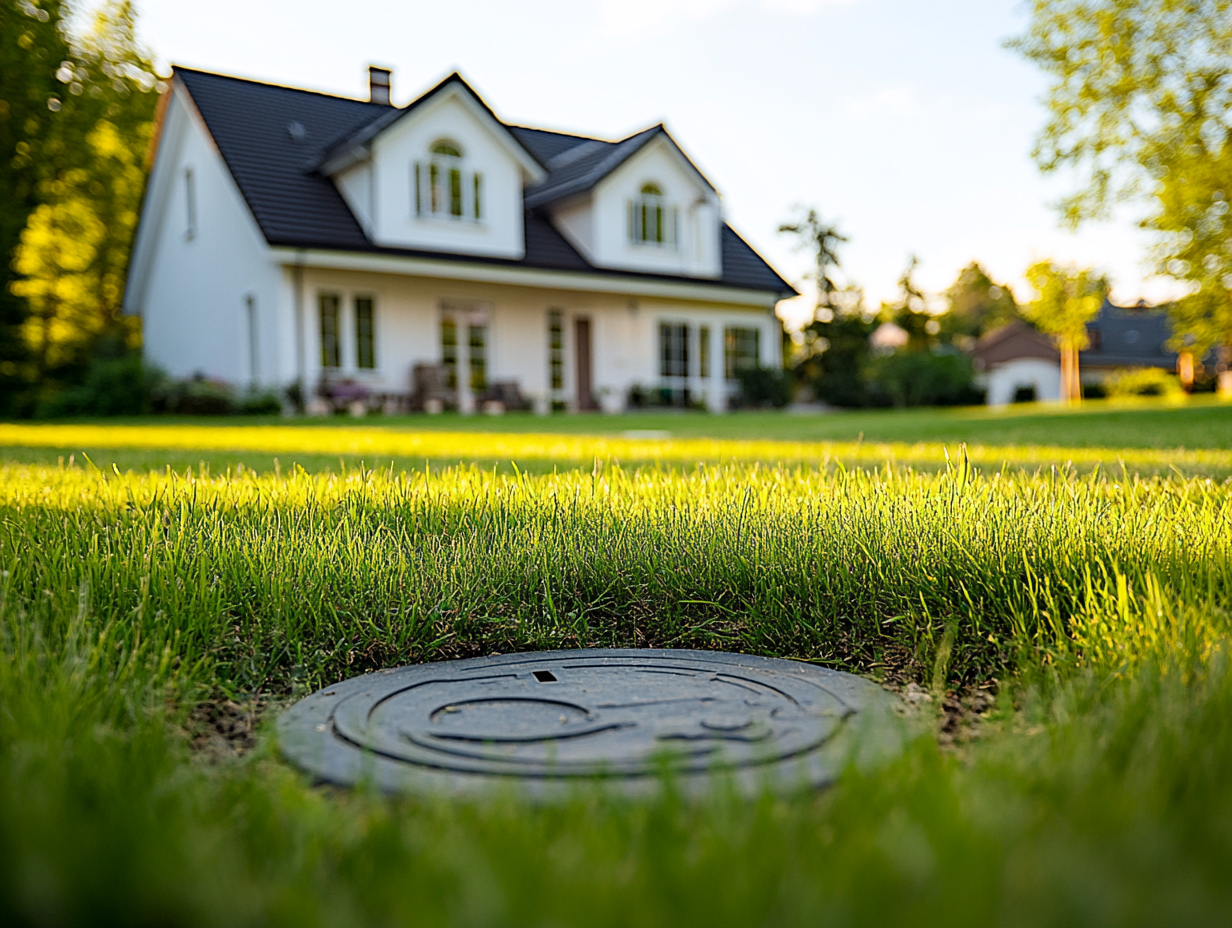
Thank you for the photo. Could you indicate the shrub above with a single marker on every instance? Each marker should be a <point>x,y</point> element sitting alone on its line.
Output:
<point>123,386</point>
<point>924,378</point>
<point>127,386</point>
<point>1141,381</point>
<point>764,386</point>
<point>204,396</point>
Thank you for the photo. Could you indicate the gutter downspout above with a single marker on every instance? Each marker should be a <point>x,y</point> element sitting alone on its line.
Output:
<point>298,284</point>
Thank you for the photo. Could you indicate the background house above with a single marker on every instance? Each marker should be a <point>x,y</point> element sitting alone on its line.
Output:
<point>1017,362</point>
<point>291,237</point>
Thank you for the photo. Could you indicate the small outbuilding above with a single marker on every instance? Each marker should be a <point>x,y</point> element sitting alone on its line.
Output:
<point>1018,363</point>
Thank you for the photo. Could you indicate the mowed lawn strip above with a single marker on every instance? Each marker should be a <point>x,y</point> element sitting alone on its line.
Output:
<point>378,445</point>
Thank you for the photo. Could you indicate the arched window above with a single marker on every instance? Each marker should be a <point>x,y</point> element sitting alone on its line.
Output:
<point>444,187</point>
<point>651,220</point>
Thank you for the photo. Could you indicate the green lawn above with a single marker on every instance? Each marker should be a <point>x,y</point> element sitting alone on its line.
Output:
<point>1072,629</point>
<point>1200,422</point>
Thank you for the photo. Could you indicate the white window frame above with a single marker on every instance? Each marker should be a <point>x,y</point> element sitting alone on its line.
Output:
<point>651,199</point>
<point>432,182</point>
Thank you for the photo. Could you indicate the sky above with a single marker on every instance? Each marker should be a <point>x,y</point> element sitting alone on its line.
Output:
<point>907,122</point>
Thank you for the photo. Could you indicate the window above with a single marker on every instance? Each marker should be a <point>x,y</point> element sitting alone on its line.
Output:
<point>449,351</point>
<point>740,350</point>
<point>556,350</point>
<point>673,350</point>
<point>477,355</point>
<point>331,346</point>
<point>465,347</point>
<point>651,220</point>
<point>190,203</point>
<point>444,187</point>
<point>365,340</point>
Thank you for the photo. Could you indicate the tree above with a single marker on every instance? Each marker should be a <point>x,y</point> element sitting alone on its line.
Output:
<point>1140,105</point>
<point>33,43</point>
<point>975,305</point>
<point>73,252</point>
<point>910,311</point>
<point>822,239</point>
<point>1129,79</point>
<point>1196,247</point>
<point>835,349</point>
<point>1066,299</point>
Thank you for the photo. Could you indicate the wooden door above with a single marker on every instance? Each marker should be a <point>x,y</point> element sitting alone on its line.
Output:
<point>582,345</point>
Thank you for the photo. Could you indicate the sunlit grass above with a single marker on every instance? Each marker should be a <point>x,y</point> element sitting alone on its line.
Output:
<point>1096,603</point>
<point>375,444</point>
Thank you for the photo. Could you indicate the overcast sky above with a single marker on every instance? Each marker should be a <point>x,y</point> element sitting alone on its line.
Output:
<point>906,121</point>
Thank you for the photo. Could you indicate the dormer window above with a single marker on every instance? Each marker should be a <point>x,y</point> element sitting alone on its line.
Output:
<point>444,187</point>
<point>651,220</point>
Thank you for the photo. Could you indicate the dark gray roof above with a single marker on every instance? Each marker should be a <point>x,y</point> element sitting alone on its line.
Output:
<point>581,167</point>
<point>252,124</point>
<point>392,114</point>
<point>1128,337</point>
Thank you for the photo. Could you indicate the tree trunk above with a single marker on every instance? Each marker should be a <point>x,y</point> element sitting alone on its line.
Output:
<point>1224,388</point>
<point>1071,386</point>
<point>1185,370</point>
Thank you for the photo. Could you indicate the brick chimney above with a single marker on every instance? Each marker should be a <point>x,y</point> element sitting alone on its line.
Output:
<point>379,80</point>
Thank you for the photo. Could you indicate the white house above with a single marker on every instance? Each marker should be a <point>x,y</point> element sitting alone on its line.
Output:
<point>295,237</point>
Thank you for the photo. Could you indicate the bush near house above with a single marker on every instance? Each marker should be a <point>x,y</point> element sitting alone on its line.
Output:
<point>764,386</point>
<point>1141,381</point>
<point>127,386</point>
<point>940,377</point>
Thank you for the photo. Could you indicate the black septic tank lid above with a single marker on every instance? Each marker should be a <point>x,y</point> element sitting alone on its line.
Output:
<point>551,720</point>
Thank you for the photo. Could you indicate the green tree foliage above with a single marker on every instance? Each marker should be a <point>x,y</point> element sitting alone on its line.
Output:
<point>836,355</point>
<point>975,305</point>
<point>86,174</point>
<point>939,377</point>
<point>33,43</point>
<point>822,240</point>
<point>1193,217</point>
<point>835,347</point>
<point>1140,105</point>
<point>910,311</point>
<point>1066,299</point>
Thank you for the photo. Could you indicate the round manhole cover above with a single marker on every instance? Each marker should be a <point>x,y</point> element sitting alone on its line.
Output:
<point>560,717</point>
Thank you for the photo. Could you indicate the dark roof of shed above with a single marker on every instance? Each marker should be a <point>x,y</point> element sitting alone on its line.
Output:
<point>1012,341</point>
<point>298,207</point>
<point>1128,337</point>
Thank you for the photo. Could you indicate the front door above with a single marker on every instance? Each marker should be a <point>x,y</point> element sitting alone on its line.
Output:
<point>585,387</point>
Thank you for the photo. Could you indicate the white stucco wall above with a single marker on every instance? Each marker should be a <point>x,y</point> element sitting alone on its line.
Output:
<point>355,185</point>
<point>390,211</point>
<point>1006,378</point>
<point>598,224</point>
<point>192,291</point>
<point>624,334</point>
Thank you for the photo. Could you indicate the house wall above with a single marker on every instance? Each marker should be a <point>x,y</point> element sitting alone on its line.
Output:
<point>624,335</point>
<point>193,296</point>
<point>696,251</point>
<point>392,215</point>
<point>1005,378</point>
